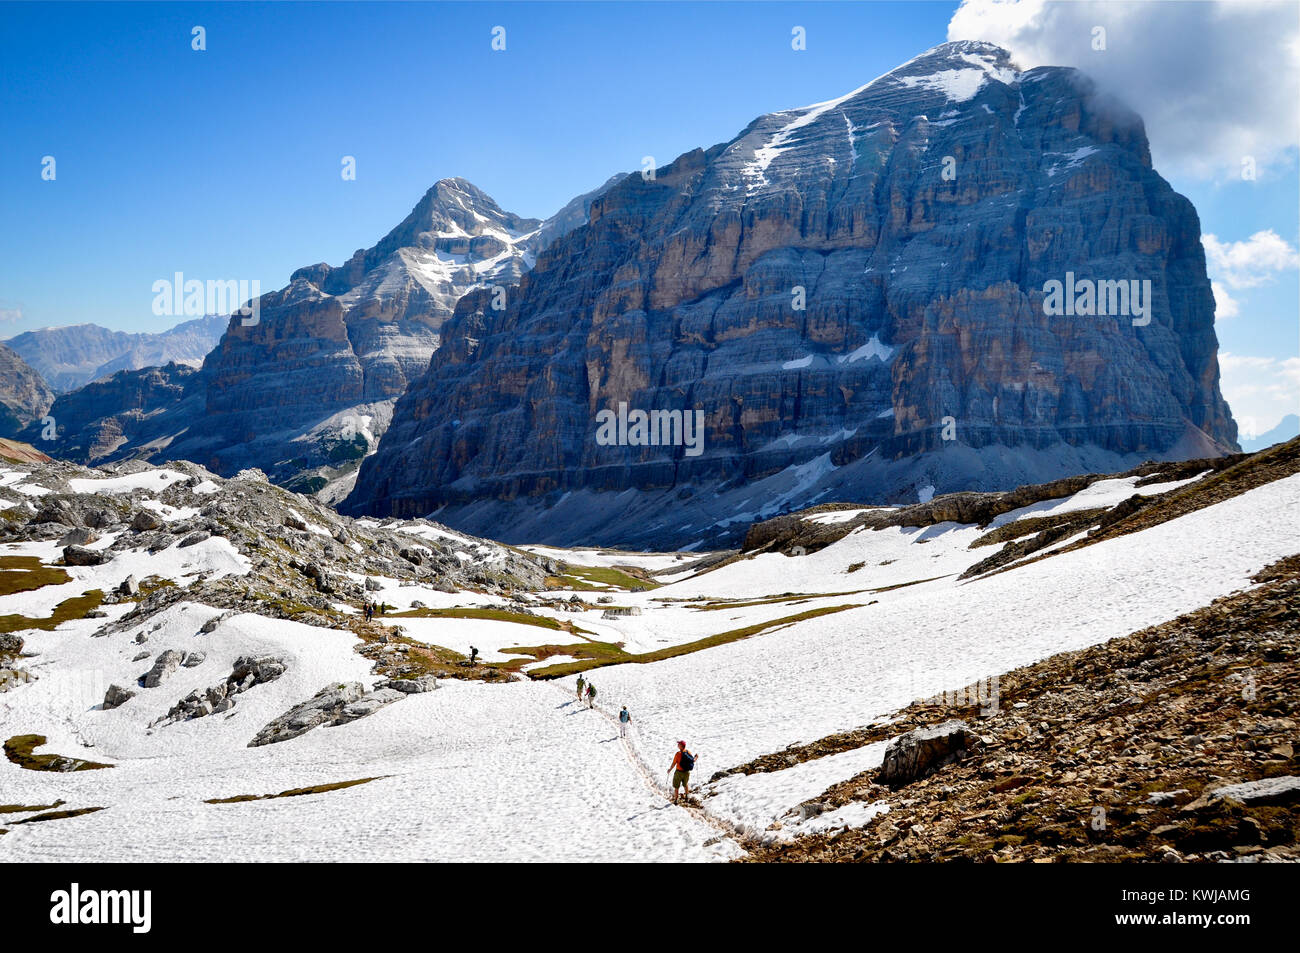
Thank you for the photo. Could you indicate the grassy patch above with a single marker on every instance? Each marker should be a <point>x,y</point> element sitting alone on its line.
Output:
<point>292,792</point>
<point>599,654</point>
<point>598,578</point>
<point>28,808</point>
<point>284,607</point>
<point>25,573</point>
<point>420,658</point>
<point>58,815</point>
<point>20,749</point>
<point>151,584</point>
<point>784,597</point>
<point>496,615</point>
<point>904,585</point>
<point>74,608</point>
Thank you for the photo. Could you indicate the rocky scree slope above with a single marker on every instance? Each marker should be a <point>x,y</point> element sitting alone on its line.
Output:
<point>305,563</point>
<point>1175,744</point>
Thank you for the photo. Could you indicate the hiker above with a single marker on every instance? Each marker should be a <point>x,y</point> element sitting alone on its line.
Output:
<point>624,719</point>
<point>591,695</point>
<point>473,655</point>
<point>581,682</point>
<point>682,766</point>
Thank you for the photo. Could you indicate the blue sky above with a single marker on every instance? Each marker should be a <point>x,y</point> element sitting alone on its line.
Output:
<point>225,163</point>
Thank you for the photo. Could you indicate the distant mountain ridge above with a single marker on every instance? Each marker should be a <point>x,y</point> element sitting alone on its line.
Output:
<point>1287,428</point>
<point>68,357</point>
<point>305,392</point>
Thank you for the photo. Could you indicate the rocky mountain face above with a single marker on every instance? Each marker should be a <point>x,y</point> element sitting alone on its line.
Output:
<point>853,295</point>
<point>72,356</point>
<point>24,396</point>
<point>304,392</point>
<point>132,407</point>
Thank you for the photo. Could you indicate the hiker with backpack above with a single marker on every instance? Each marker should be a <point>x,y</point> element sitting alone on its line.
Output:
<point>682,766</point>
<point>473,655</point>
<point>591,695</point>
<point>624,719</point>
<point>581,682</point>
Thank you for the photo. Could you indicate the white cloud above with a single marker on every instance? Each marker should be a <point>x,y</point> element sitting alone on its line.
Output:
<point>1260,390</point>
<point>1225,306</point>
<point>1251,263</point>
<point>9,315</point>
<point>1215,82</point>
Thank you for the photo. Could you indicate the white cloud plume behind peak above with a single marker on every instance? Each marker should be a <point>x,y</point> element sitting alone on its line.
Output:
<point>1216,82</point>
<point>1251,263</point>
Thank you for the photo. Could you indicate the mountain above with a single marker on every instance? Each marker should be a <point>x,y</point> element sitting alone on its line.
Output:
<point>1287,428</point>
<point>131,407</point>
<point>71,356</point>
<point>305,391</point>
<point>24,396</point>
<point>836,290</point>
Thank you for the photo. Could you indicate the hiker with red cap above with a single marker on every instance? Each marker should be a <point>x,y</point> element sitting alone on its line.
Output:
<point>682,766</point>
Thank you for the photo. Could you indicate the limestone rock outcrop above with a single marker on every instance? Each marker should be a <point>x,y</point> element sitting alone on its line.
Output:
<point>838,290</point>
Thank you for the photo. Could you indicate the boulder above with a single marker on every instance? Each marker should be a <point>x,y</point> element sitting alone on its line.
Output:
<point>100,519</point>
<point>326,705</point>
<point>146,520</point>
<point>255,670</point>
<point>924,750</point>
<point>413,686</point>
<point>1275,791</point>
<point>618,612</point>
<point>211,625</point>
<point>195,538</point>
<point>163,666</point>
<point>10,644</point>
<point>128,587</point>
<point>368,704</point>
<point>161,542</point>
<point>57,511</point>
<point>79,536</point>
<point>80,556</point>
<point>117,695</point>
